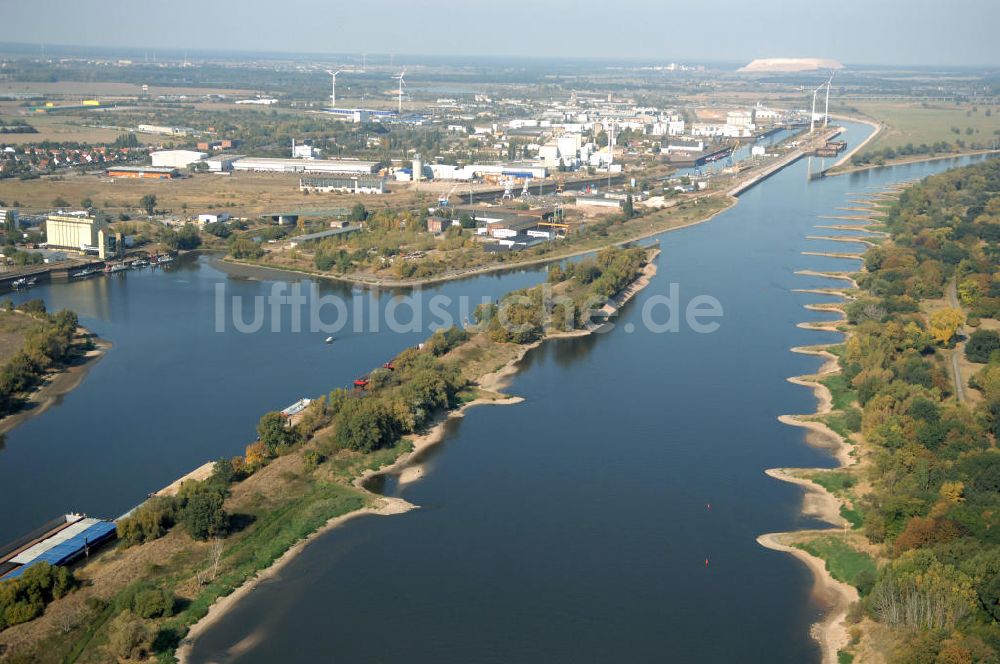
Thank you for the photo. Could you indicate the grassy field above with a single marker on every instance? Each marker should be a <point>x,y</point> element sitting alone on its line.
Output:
<point>913,123</point>
<point>840,388</point>
<point>243,194</point>
<point>842,561</point>
<point>13,327</point>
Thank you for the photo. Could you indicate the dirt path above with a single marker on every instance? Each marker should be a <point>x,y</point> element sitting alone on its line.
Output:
<point>956,353</point>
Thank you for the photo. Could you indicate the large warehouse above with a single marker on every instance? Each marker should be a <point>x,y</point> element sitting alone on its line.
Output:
<point>274,165</point>
<point>350,184</point>
<point>176,158</point>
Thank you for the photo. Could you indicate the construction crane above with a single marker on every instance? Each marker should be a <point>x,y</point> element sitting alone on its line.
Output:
<point>508,186</point>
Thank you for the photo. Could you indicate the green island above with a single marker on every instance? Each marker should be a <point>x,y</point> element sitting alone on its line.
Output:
<point>179,553</point>
<point>916,398</point>
<point>38,350</point>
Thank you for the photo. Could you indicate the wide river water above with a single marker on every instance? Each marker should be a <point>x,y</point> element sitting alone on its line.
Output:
<point>574,527</point>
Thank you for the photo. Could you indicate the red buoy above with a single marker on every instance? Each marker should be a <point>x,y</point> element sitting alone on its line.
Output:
<point>706,562</point>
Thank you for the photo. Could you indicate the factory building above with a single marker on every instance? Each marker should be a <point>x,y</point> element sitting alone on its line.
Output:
<point>221,144</point>
<point>176,158</point>
<point>350,184</point>
<point>743,119</point>
<point>685,145</point>
<point>77,231</point>
<point>166,131</point>
<point>522,170</point>
<point>510,228</point>
<point>275,165</point>
<point>360,115</point>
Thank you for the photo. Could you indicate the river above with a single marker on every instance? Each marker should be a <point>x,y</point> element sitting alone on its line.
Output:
<point>612,516</point>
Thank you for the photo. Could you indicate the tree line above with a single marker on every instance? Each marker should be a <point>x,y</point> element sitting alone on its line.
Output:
<point>46,345</point>
<point>934,503</point>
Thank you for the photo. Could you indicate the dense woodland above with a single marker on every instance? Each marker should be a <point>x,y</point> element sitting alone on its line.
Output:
<point>934,472</point>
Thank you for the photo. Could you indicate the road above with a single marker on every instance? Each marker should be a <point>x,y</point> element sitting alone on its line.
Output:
<point>956,370</point>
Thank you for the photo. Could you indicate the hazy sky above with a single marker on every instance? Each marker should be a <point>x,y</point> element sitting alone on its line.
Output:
<point>953,32</point>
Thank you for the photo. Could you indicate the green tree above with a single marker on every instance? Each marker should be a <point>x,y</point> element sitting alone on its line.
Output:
<point>366,425</point>
<point>201,512</point>
<point>981,343</point>
<point>358,212</point>
<point>274,431</point>
<point>148,203</point>
<point>128,637</point>
<point>149,521</point>
<point>153,603</point>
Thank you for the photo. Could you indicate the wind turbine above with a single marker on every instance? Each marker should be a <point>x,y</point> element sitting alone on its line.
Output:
<point>826,114</point>
<point>333,92</point>
<point>400,77</point>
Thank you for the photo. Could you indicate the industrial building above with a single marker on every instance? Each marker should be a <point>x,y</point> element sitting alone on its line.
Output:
<point>524,170</point>
<point>510,228</point>
<point>166,131</point>
<point>685,145</point>
<point>176,158</point>
<point>60,542</point>
<point>79,232</point>
<point>278,165</point>
<point>221,144</point>
<point>143,172</point>
<point>439,225</point>
<point>222,163</point>
<point>213,218</point>
<point>356,184</point>
<point>360,115</point>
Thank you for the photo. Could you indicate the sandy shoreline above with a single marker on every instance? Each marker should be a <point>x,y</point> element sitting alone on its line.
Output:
<point>831,631</point>
<point>56,385</point>
<point>407,466</point>
<point>385,507</point>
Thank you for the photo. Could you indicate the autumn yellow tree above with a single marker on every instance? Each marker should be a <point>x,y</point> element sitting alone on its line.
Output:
<point>944,324</point>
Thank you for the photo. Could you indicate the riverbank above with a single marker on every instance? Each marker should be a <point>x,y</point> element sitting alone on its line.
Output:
<point>877,128</point>
<point>386,507</point>
<point>913,160</point>
<point>57,384</point>
<point>831,631</point>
